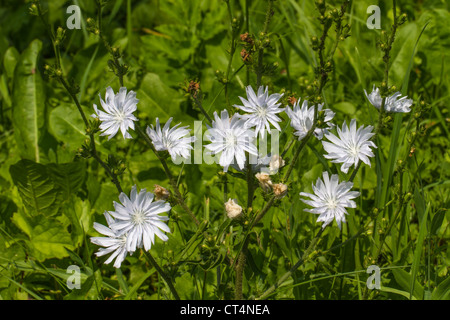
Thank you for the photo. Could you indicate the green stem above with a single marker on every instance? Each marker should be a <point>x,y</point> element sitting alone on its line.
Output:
<point>153,262</point>
<point>259,69</point>
<point>240,271</point>
<point>301,261</point>
<point>250,186</point>
<point>120,72</point>
<point>169,175</point>
<point>94,153</point>
<point>232,51</point>
<point>199,104</point>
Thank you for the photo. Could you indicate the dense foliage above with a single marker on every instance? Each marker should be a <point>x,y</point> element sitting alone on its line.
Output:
<point>186,60</point>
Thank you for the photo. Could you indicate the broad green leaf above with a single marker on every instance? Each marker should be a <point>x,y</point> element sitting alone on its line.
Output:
<point>36,187</point>
<point>68,176</point>
<point>345,107</point>
<point>156,99</point>
<point>28,102</point>
<point>66,125</point>
<point>48,238</point>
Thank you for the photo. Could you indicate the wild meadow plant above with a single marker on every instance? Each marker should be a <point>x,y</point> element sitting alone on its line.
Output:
<point>265,189</point>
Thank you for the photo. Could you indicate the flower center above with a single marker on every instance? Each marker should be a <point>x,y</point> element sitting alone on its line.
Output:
<point>354,150</point>
<point>261,111</point>
<point>120,116</point>
<point>138,217</point>
<point>230,140</point>
<point>123,239</point>
<point>332,203</point>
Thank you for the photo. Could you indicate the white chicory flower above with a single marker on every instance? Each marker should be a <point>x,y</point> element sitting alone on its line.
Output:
<point>139,217</point>
<point>394,103</point>
<point>330,199</point>
<point>351,146</point>
<point>302,119</point>
<point>261,109</point>
<point>231,138</point>
<point>175,140</point>
<point>118,112</point>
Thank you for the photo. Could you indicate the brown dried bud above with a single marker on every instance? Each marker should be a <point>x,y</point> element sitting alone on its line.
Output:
<point>161,193</point>
<point>279,190</point>
<point>245,37</point>
<point>292,100</point>
<point>245,55</point>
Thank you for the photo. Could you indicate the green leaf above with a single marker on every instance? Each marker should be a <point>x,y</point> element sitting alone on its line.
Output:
<point>79,214</point>
<point>156,99</point>
<point>404,280</point>
<point>10,61</point>
<point>419,247</point>
<point>436,223</point>
<point>48,237</point>
<point>66,125</point>
<point>131,293</point>
<point>68,176</point>
<point>36,187</point>
<point>28,102</point>
<point>89,290</point>
<point>397,291</point>
<point>442,291</point>
<point>193,242</point>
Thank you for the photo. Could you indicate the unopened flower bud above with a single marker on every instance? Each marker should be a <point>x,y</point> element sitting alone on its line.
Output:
<point>161,193</point>
<point>276,162</point>
<point>233,209</point>
<point>264,181</point>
